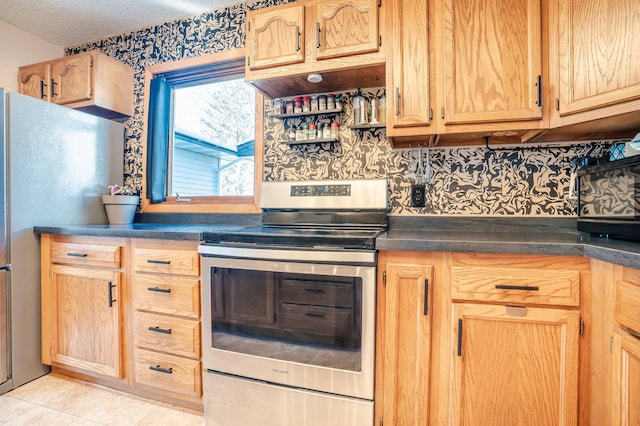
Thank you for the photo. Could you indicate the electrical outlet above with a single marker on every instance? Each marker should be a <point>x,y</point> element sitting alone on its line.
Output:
<point>418,195</point>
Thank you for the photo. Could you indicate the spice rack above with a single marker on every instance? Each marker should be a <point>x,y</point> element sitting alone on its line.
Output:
<point>367,126</point>
<point>310,141</point>
<point>302,114</point>
<point>297,141</point>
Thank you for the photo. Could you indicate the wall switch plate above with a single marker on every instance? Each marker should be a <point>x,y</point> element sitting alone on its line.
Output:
<point>418,196</point>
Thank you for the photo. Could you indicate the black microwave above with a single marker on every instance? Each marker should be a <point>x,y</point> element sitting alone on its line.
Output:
<point>609,199</point>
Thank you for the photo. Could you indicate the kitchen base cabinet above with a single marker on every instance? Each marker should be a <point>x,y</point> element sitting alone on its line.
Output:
<point>166,305</point>
<point>626,379</point>
<point>403,340</point>
<point>124,313</point>
<point>83,305</point>
<point>514,365</point>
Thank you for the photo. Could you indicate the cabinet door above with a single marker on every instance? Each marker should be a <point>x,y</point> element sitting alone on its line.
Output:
<point>276,36</point>
<point>514,366</point>
<point>72,79</point>
<point>408,89</point>
<point>346,28</point>
<point>599,58</point>
<point>86,312</point>
<point>34,81</point>
<point>492,60</point>
<point>407,343</point>
<point>626,380</point>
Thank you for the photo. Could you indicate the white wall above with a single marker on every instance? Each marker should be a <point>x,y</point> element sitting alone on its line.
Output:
<point>18,48</point>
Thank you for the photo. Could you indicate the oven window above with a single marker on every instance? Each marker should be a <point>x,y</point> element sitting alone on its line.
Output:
<point>309,319</point>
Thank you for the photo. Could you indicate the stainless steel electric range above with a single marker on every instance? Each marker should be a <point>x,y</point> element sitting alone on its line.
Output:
<point>289,308</point>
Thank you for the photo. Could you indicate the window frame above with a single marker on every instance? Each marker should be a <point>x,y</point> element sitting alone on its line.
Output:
<point>213,204</point>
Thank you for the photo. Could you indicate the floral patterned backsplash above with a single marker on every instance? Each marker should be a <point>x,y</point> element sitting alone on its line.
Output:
<point>465,181</point>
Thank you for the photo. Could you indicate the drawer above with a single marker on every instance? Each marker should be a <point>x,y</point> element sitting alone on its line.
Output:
<point>318,320</point>
<point>86,254</point>
<point>628,299</point>
<point>166,294</point>
<point>516,285</point>
<point>161,333</point>
<point>166,261</point>
<point>317,293</point>
<point>168,373</point>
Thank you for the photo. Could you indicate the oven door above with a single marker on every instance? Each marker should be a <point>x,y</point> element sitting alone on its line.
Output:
<point>302,323</point>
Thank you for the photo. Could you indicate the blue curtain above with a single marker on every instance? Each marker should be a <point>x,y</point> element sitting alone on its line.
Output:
<point>158,139</point>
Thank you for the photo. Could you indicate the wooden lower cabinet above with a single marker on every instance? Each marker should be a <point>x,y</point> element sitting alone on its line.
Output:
<point>403,340</point>
<point>626,379</point>
<point>514,366</point>
<point>86,332</point>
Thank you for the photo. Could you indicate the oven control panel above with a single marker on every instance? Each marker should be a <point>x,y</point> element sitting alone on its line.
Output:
<point>321,191</point>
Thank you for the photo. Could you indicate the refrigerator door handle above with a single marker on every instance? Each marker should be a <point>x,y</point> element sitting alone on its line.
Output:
<point>6,267</point>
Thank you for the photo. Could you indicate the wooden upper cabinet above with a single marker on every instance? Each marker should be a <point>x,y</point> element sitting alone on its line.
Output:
<point>34,80</point>
<point>408,69</point>
<point>492,54</point>
<point>71,79</point>
<point>599,58</point>
<point>89,81</point>
<point>275,36</point>
<point>346,28</point>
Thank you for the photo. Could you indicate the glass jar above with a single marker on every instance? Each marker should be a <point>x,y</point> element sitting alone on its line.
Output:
<point>335,129</point>
<point>339,103</point>
<point>382,110</point>
<point>322,103</point>
<point>306,103</point>
<point>301,134</point>
<point>312,131</point>
<point>297,105</point>
<point>331,102</point>
<point>314,103</point>
<point>360,110</point>
<point>278,107</point>
<point>291,133</point>
<point>326,132</point>
<point>289,106</point>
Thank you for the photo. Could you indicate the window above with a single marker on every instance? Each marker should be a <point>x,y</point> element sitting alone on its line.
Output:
<point>204,136</point>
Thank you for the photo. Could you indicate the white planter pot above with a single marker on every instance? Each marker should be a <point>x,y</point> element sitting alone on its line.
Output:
<point>120,208</point>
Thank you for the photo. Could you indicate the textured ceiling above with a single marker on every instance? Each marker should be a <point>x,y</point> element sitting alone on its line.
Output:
<point>69,22</point>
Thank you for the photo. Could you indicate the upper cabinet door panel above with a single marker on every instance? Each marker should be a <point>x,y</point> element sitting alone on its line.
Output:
<point>346,28</point>
<point>276,37</point>
<point>492,60</point>
<point>72,79</point>
<point>599,57</point>
<point>34,81</point>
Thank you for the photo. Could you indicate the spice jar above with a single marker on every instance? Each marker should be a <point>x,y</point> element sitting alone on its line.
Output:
<point>312,131</point>
<point>322,103</point>
<point>291,133</point>
<point>326,132</point>
<point>314,103</point>
<point>335,129</point>
<point>289,106</point>
<point>331,101</point>
<point>338,102</point>
<point>306,103</point>
<point>278,107</point>
<point>297,105</point>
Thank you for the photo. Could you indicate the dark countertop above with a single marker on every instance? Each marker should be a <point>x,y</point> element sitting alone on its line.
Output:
<point>544,236</point>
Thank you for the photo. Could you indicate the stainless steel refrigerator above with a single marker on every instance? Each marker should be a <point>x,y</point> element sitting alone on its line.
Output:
<point>55,165</point>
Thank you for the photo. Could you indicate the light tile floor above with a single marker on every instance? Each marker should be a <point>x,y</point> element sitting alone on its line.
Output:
<point>54,400</point>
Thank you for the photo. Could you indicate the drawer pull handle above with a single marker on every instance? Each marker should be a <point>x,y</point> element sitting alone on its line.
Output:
<point>159,290</point>
<point>516,287</point>
<point>314,314</point>
<point>314,290</point>
<point>77,254</point>
<point>159,262</point>
<point>160,330</point>
<point>160,369</point>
